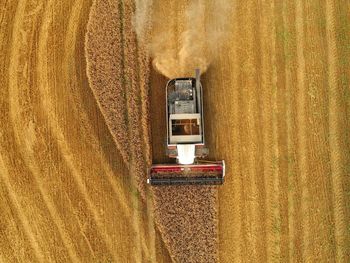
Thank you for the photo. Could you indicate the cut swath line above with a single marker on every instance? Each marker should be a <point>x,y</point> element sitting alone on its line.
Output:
<point>293,186</point>
<point>269,81</point>
<point>255,209</point>
<point>23,220</point>
<point>56,130</point>
<point>18,122</point>
<point>302,133</point>
<point>335,136</point>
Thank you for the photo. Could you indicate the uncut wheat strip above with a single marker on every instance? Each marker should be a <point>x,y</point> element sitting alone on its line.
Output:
<point>145,142</point>
<point>144,84</point>
<point>138,165</point>
<point>132,89</point>
<point>127,79</point>
<point>125,21</point>
<point>107,80</point>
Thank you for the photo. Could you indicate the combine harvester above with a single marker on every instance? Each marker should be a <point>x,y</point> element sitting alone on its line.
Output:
<point>185,138</point>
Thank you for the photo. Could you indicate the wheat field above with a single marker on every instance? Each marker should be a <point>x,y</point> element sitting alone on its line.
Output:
<point>277,110</point>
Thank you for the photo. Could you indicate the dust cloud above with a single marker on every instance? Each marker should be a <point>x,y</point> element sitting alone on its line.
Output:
<point>182,35</point>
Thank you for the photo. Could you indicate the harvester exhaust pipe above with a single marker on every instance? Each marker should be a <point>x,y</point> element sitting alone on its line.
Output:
<point>198,89</point>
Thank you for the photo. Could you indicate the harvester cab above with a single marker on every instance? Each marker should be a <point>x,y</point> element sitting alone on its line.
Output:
<point>185,138</point>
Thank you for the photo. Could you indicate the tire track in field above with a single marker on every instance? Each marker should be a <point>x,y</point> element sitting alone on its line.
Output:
<point>294,191</point>
<point>43,223</point>
<point>44,168</point>
<point>45,98</point>
<point>128,85</point>
<point>335,136</point>
<point>144,83</point>
<point>282,161</point>
<point>10,250</point>
<point>275,224</point>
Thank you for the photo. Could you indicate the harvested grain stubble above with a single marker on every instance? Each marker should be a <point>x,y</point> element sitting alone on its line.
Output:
<point>119,74</point>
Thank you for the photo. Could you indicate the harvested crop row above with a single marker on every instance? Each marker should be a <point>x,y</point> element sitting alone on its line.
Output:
<point>53,167</point>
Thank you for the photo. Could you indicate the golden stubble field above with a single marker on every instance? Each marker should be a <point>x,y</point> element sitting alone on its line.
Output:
<point>277,110</point>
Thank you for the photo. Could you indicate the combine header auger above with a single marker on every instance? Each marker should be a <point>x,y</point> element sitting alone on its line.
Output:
<point>185,138</point>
